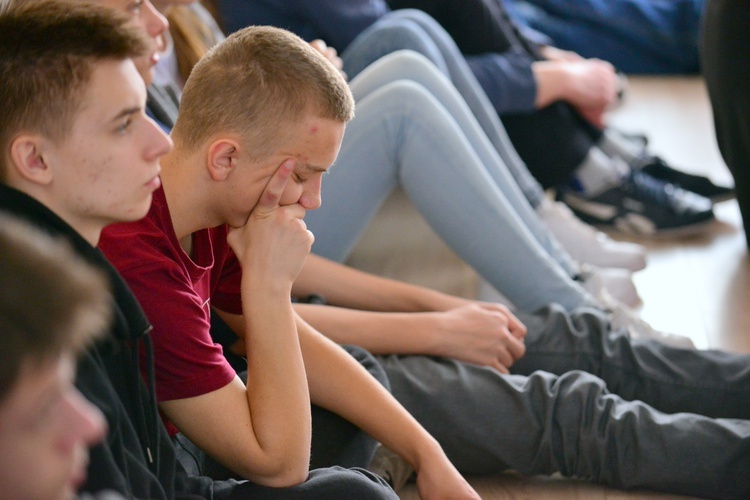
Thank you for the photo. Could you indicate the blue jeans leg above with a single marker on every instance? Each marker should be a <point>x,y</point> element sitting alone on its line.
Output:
<point>403,136</point>
<point>413,30</point>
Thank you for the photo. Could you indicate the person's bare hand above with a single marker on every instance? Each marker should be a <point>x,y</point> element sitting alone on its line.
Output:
<point>595,116</point>
<point>591,84</point>
<point>329,53</point>
<point>274,241</point>
<point>483,333</point>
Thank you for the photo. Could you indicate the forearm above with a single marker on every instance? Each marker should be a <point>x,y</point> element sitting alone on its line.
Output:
<point>261,429</point>
<point>277,392</point>
<point>379,333</point>
<point>339,384</point>
<point>347,287</point>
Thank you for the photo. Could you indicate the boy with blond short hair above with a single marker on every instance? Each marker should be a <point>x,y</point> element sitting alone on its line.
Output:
<point>261,120</point>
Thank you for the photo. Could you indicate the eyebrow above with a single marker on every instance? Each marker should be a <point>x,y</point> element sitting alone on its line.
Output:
<point>127,112</point>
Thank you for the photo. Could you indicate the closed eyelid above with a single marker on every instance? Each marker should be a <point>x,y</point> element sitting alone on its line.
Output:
<point>314,169</point>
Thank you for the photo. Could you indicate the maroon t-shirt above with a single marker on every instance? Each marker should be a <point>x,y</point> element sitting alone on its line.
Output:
<point>177,292</point>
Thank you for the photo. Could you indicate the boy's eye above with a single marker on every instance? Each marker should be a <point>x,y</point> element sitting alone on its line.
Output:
<point>125,125</point>
<point>135,7</point>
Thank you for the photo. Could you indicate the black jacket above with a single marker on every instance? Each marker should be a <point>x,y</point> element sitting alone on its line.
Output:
<point>137,458</point>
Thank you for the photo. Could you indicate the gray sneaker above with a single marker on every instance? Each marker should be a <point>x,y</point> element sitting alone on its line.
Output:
<point>395,470</point>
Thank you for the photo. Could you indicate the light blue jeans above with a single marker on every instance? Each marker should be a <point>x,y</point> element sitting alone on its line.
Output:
<point>413,130</point>
<point>414,30</point>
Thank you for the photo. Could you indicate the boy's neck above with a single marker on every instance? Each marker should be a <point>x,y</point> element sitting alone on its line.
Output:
<point>185,192</point>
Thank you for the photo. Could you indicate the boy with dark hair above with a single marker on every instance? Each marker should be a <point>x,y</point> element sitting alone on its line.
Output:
<point>79,153</point>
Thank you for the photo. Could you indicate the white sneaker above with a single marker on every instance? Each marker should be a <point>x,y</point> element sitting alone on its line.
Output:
<point>621,316</point>
<point>586,244</point>
<point>618,283</point>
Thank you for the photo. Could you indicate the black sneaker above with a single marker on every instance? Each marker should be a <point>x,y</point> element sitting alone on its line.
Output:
<point>642,205</point>
<point>658,168</point>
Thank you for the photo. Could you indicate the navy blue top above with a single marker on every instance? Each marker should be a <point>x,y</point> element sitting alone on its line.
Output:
<point>335,21</point>
<point>506,78</point>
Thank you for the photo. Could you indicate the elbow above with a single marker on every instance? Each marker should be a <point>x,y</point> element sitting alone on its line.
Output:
<point>289,478</point>
<point>283,473</point>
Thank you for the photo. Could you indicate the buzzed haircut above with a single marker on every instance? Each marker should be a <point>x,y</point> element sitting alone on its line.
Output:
<point>50,300</point>
<point>48,49</point>
<point>256,83</point>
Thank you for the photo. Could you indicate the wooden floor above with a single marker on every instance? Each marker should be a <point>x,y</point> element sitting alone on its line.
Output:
<point>696,286</point>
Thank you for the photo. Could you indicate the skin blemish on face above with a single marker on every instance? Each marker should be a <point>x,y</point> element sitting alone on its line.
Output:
<point>313,129</point>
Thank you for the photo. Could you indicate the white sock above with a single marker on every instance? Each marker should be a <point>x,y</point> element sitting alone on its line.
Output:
<point>614,144</point>
<point>599,172</point>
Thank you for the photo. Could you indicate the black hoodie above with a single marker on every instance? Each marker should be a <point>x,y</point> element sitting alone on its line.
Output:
<point>137,458</point>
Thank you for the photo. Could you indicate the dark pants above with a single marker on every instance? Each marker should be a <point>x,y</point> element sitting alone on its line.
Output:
<point>329,483</point>
<point>552,141</point>
<point>725,58</point>
<point>587,402</point>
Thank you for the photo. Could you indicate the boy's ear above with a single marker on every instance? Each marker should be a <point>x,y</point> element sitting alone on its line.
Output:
<point>222,158</point>
<point>27,159</point>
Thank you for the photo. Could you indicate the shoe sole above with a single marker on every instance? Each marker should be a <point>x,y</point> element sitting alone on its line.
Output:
<point>635,225</point>
<point>631,223</point>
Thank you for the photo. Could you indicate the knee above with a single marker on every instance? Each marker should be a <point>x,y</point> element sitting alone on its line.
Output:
<point>403,33</point>
<point>579,390</point>
<point>411,65</point>
<point>409,94</point>
<point>337,482</point>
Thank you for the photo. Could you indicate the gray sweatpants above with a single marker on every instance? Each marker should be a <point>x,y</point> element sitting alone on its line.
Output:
<point>590,403</point>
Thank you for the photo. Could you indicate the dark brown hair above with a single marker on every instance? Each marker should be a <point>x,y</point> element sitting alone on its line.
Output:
<point>47,52</point>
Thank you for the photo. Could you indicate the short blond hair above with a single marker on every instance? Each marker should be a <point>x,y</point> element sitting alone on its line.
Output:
<point>255,83</point>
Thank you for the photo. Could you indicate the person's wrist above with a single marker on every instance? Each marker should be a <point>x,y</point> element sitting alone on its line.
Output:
<point>428,452</point>
<point>551,82</point>
<point>440,332</point>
